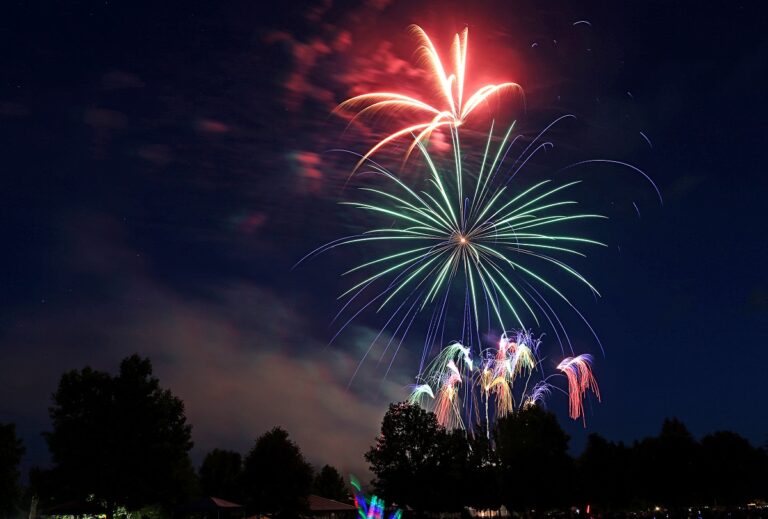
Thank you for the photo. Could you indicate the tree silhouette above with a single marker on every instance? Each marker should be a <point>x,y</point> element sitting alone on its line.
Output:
<point>451,471</point>
<point>408,457</point>
<point>483,476</point>
<point>536,470</point>
<point>526,467</point>
<point>673,470</point>
<point>277,479</point>
<point>733,471</point>
<point>11,451</point>
<point>668,466</point>
<point>604,472</point>
<point>221,474</point>
<point>123,440</point>
<point>329,483</point>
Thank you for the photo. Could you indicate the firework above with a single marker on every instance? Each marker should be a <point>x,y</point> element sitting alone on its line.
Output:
<point>467,235</point>
<point>472,234</point>
<point>419,393</point>
<point>578,370</point>
<point>448,401</point>
<point>538,394</point>
<point>472,391</point>
<point>452,109</point>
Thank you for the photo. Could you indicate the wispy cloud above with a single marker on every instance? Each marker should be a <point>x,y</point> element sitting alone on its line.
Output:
<point>243,358</point>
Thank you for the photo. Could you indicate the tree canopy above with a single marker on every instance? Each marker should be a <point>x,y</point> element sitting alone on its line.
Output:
<point>221,475</point>
<point>122,439</point>
<point>405,458</point>
<point>525,465</point>
<point>276,477</point>
<point>600,480</point>
<point>415,460</point>
<point>11,451</point>
<point>329,483</point>
<point>532,450</point>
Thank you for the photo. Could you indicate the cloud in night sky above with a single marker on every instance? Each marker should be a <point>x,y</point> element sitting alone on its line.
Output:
<point>243,358</point>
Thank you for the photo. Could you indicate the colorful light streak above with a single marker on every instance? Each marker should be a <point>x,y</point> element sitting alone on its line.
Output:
<point>452,110</point>
<point>489,384</point>
<point>578,370</point>
<point>373,508</point>
<point>469,233</point>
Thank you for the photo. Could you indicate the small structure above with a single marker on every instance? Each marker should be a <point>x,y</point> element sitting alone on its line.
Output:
<point>210,508</point>
<point>324,508</point>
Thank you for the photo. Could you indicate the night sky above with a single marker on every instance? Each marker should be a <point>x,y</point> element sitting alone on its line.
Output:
<point>165,164</point>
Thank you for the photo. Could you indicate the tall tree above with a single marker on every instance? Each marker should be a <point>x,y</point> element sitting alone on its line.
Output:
<point>482,477</point>
<point>123,439</point>
<point>603,470</point>
<point>408,456</point>
<point>668,466</point>
<point>11,451</point>
<point>277,479</point>
<point>221,473</point>
<point>329,483</point>
<point>533,453</point>
<point>451,471</point>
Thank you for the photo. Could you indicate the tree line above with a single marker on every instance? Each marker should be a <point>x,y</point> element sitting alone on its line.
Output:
<point>525,465</point>
<point>123,442</point>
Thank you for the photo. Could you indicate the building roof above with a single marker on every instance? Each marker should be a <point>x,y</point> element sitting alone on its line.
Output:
<point>322,504</point>
<point>223,503</point>
<point>207,504</point>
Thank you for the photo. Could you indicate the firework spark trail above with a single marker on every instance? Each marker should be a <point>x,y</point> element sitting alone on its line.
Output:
<point>618,163</point>
<point>400,344</point>
<point>578,370</point>
<point>489,382</point>
<point>418,394</point>
<point>484,237</point>
<point>453,110</point>
<point>447,405</point>
<point>444,241</point>
<point>394,334</point>
<point>512,170</point>
<point>644,136</point>
<point>539,394</point>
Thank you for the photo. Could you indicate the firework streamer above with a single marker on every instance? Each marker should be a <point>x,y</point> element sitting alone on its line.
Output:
<point>451,110</point>
<point>578,370</point>
<point>490,381</point>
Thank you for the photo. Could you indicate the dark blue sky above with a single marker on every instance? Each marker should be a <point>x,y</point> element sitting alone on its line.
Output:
<point>164,166</point>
